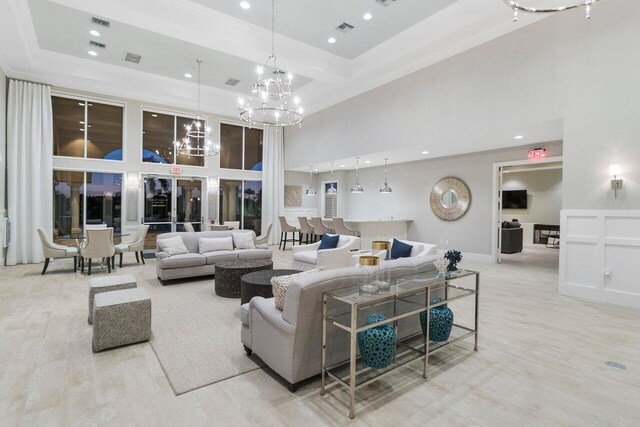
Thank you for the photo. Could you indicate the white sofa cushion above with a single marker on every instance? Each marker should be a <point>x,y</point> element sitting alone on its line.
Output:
<point>215,257</point>
<point>183,260</point>
<point>215,244</point>
<point>173,246</point>
<point>310,257</point>
<point>243,241</point>
<point>280,285</point>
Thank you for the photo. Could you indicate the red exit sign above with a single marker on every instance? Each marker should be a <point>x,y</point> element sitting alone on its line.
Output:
<point>537,154</point>
<point>176,170</point>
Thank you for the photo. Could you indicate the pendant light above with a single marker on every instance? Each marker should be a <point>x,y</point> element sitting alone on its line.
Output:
<point>332,189</point>
<point>385,189</point>
<point>310,191</point>
<point>357,188</point>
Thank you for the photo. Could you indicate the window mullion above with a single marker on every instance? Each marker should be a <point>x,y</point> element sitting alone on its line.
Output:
<point>175,138</point>
<point>86,126</point>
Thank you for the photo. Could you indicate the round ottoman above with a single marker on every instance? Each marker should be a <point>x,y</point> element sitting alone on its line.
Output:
<point>258,284</point>
<point>228,275</point>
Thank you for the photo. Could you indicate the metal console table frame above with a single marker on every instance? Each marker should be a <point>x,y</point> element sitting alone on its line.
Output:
<point>353,374</point>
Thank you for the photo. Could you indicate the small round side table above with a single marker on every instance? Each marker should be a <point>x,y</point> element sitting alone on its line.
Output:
<point>228,275</point>
<point>258,284</point>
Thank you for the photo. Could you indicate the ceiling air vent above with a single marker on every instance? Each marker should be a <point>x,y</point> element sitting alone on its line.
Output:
<point>132,57</point>
<point>232,82</point>
<point>385,2</point>
<point>344,27</point>
<point>97,44</point>
<point>99,21</point>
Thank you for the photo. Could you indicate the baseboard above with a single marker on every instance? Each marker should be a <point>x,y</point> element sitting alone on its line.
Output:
<point>599,295</point>
<point>471,256</point>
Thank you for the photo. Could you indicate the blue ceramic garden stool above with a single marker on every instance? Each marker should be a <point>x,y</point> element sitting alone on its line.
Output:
<point>377,345</point>
<point>440,322</point>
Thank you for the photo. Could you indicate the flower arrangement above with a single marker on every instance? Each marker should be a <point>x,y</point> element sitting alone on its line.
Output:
<point>441,266</point>
<point>454,257</point>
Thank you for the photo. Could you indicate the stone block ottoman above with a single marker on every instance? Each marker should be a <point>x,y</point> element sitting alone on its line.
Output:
<point>120,318</point>
<point>108,284</point>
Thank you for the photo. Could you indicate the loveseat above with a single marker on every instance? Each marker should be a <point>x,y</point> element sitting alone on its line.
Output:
<point>289,341</point>
<point>195,263</point>
<point>308,257</point>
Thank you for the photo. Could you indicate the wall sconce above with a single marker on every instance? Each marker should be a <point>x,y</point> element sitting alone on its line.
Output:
<point>616,183</point>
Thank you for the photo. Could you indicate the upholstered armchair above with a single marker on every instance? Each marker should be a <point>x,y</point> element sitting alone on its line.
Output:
<point>99,245</point>
<point>307,230</point>
<point>188,227</point>
<point>133,243</point>
<point>340,228</point>
<point>309,257</point>
<point>263,239</point>
<point>52,250</point>
<point>319,228</point>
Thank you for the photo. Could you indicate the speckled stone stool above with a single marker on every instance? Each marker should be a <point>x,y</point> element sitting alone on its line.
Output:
<point>108,284</point>
<point>120,318</point>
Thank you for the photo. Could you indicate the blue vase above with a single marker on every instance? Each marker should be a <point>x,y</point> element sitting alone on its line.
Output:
<point>377,345</point>
<point>440,322</point>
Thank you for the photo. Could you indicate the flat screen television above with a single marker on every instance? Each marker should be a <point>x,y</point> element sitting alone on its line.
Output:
<point>514,199</point>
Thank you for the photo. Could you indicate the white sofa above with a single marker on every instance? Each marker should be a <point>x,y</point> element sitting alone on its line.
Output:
<point>289,341</point>
<point>309,257</point>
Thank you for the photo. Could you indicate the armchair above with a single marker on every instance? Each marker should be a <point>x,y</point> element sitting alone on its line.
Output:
<point>52,250</point>
<point>309,257</point>
<point>99,245</point>
<point>263,239</point>
<point>135,243</point>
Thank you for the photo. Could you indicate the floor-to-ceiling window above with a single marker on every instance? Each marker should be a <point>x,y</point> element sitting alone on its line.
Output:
<point>159,133</point>
<point>241,201</point>
<point>240,147</point>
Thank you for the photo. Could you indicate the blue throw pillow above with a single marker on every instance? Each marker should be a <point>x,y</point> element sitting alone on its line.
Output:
<point>400,249</point>
<point>329,242</point>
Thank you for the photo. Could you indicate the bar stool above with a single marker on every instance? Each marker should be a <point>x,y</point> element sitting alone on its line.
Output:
<point>285,229</point>
<point>306,229</point>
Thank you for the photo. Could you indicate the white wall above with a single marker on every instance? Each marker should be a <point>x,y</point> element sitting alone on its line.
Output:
<point>412,183</point>
<point>563,67</point>
<point>3,155</point>
<point>544,196</point>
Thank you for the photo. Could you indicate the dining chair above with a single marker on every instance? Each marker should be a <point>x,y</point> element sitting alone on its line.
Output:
<point>95,226</point>
<point>233,225</point>
<point>99,245</point>
<point>341,228</point>
<point>306,229</point>
<point>52,250</point>
<point>285,229</point>
<point>319,229</point>
<point>188,227</point>
<point>263,239</point>
<point>219,227</point>
<point>133,243</point>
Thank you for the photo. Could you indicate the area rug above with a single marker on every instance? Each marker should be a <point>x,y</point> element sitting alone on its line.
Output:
<point>196,334</point>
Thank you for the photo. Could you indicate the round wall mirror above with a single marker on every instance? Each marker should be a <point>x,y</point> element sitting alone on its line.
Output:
<point>450,198</point>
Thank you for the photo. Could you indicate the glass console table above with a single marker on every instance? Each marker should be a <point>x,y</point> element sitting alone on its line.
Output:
<point>346,310</point>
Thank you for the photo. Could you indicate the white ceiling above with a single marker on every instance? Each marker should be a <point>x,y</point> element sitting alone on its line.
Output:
<point>313,22</point>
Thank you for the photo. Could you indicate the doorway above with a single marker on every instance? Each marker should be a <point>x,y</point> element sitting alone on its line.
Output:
<point>169,202</point>
<point>527,205</point>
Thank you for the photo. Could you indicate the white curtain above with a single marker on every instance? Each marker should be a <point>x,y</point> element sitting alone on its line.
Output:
<point>29,169</point>
<point>273,181</point>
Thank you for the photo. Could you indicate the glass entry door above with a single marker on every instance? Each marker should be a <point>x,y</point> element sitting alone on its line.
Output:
<point>169,202</point>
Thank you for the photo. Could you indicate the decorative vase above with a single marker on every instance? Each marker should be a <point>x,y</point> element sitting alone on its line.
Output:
<point>440,321</point>
<point>377,345</point>
<point>441,265</point>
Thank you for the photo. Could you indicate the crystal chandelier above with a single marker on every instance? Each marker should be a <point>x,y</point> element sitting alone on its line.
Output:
<point>357,188</point>
<point>310,191</point>
<point>271,102</point>
<point>197,141</point>
<point>332,189</point>
<point>552,6</point>
<point>385,189</point>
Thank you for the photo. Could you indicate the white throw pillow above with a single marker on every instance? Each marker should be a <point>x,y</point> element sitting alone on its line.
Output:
<point>215,244</point>
<point>173,246</point>
<point>281,284</point>
<point>243,241</point>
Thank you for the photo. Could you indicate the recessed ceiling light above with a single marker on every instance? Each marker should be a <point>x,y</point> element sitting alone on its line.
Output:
<point>154,115</point>
<point>316,170</point>
<point>93,53</point>
<point>187,75</point>
<point>332,40</point>
<point>245,4</point>
<point>367,16</point>
<point>518,137</point>
<point>425,152</point>
<point>94,33</point>
<point>367,161</point>
<point>343,166</point>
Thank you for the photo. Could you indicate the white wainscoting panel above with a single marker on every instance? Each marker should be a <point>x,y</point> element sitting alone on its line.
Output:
<point>292,214</point>
<point>600,256</point>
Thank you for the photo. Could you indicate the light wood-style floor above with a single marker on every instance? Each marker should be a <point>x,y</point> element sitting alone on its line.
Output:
<point>541,362</point>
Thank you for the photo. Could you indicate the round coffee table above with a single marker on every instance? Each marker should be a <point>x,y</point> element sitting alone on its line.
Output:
<point>228,275</point>
<point>258,284</point>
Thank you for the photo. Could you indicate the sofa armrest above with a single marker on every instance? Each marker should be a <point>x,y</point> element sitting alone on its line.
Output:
<point>267,309</point>
<point>262,246</point>
<point>305,248</point>
<point>161,255</point>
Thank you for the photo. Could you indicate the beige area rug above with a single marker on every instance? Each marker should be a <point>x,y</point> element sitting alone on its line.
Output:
<point>196,334</point>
